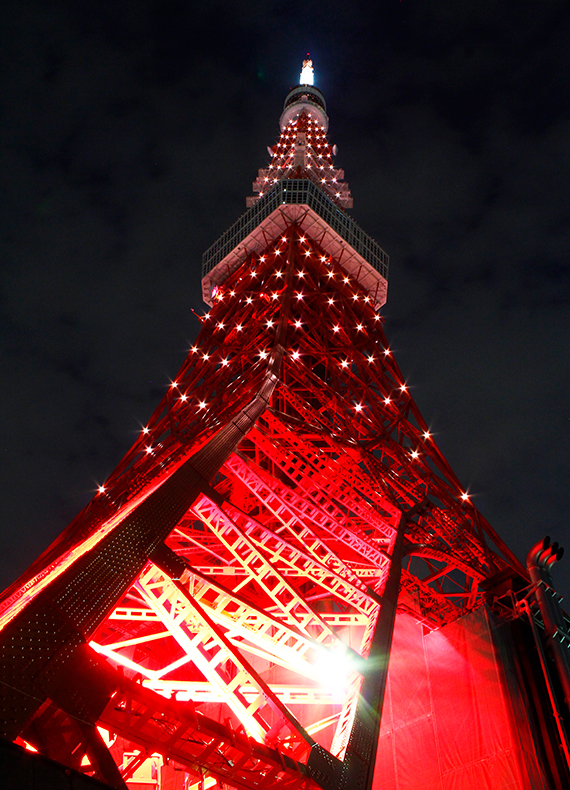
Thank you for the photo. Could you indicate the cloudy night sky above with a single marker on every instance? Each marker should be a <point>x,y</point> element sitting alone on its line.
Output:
<point>130,135</point>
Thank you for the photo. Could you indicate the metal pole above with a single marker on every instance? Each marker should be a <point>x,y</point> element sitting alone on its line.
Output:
<point>523,605</point>
<point>539,561</point>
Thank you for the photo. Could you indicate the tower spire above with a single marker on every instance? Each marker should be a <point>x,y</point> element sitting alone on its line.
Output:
<point>303,149</point>
<point>307,72</point>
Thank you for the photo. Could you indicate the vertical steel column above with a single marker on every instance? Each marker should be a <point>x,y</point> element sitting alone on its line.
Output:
<point>357,771</point>
<point>540,559</point>
<point>559,721</point>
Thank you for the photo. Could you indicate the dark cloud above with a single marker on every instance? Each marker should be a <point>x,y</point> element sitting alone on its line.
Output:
<point>130,137</point>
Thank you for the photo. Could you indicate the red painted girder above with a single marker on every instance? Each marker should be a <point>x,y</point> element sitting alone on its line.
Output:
<point>142,614</point>
<point>279,551</point>
<point>344,458</point>
<point>324,473</point>
<point>431,604</point>
<point>451,559</point>
<point>285,644</point>
<point>210,649</point>
<point>179,733</point>
<point>318,476</point>
<point>288,604</point>
<point>297,513</point>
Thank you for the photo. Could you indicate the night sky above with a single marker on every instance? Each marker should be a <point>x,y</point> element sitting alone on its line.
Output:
<point>130,135</point>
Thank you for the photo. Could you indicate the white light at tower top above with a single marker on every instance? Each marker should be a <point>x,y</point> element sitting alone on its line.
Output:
<point>307,73</point>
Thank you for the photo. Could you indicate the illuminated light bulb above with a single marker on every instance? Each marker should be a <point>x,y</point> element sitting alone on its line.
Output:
<point>262,259</point>
<point>323,181</point>
<point>376,317</point>
<point>344,363</point>
<point>371,358</point>
<point>359,327</point>
<point>194,349</point>
<point>386,352</point>
<point>465,496</point>
<point>269,324</point>
<point>232,293</point>
<point>415,454</point>
<point>387,401</point>
<point>302,239</point>
<point>295,355</point>
<point>307,252</point>
<point>427,435</point>
<point>184,397</point>
<point>220,325</point>
<point>101,489</point>
<point>148,449</point>
<point>206,357</point>
<point>346,280</point>
<point>300,295</point>
<point>239,327</point>
<point>266,179</point>
<point>354,297</point>
<point>145,429</point>
<point>277,252</point>
<point>275,295</point>
<point>174,384</point>
<point>323,258</point>
<point>279,274</point>
<point>261,194</point>
<point>334,669</point>
<point>331,301</point>
<point>367,299</point>
<point>358,407</point>
<point>403,388</point>
<point>331,274</point>
<point>202,404</point>
<point>284,239</point>
<point>336,328</point>
<point>301,273</point>
<point>298,324</point>
<point>263,354</point>
<point>225,362</point>
<point>249,300</point>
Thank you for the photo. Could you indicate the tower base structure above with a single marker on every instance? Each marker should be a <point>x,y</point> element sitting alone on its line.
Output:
<point>466,708</point>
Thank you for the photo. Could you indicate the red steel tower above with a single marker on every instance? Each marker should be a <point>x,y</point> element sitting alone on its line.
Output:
<point>222,612</point>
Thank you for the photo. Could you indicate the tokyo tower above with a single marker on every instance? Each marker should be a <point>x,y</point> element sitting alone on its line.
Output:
<point>283,584</point>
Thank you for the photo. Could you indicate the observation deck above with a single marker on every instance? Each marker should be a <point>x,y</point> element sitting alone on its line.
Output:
<point>302,202</point>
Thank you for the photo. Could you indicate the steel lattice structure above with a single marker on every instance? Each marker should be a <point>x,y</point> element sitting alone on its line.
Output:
<point>253,539</point>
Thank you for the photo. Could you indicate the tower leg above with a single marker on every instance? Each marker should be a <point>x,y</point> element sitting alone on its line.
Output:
<point>356,772</point>
<point>358,766</point>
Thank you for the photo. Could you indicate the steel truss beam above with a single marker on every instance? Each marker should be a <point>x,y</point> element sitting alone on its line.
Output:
<point>178,732</point>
